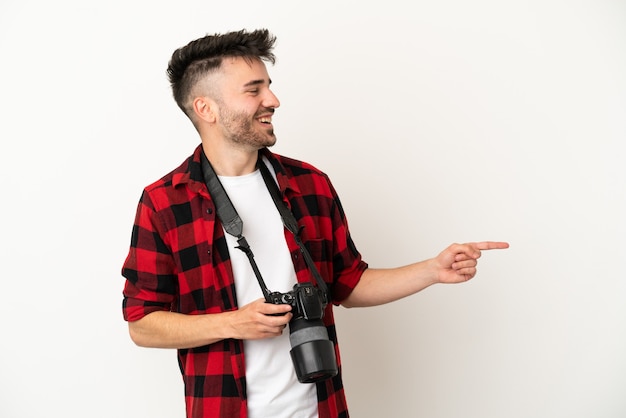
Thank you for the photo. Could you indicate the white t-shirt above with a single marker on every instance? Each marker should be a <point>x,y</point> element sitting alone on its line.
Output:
<point>272,386</point>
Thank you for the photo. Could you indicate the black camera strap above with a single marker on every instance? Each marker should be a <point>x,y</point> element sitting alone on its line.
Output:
<point>230,218</point>
<point>233,224</point>
<point>291,224</point>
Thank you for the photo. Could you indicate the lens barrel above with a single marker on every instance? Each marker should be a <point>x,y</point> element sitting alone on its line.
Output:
<point>312,352</point>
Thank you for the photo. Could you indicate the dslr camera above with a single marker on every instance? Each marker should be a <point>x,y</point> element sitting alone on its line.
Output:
<point>312,352</point>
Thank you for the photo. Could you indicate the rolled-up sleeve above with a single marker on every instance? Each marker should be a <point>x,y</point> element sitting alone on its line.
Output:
<point>348,265</point>
<point>149,268</point>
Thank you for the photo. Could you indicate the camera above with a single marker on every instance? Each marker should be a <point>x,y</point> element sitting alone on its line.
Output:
<point>312,352</point>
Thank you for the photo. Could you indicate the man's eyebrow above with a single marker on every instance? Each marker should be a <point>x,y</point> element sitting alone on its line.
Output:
<point>256,82</point>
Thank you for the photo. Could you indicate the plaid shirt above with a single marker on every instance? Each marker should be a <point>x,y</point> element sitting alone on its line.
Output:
<point>178,261</point>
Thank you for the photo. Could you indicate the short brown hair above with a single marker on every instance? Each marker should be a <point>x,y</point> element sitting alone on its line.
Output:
<point>192,62</point>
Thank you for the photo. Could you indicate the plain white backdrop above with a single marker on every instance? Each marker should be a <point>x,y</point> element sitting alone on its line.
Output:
<point>438,122</point>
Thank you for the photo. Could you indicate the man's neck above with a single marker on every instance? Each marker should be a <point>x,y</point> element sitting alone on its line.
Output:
<point>230,162</point>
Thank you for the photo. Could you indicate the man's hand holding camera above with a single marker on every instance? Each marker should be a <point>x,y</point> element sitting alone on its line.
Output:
<point>259,319</point>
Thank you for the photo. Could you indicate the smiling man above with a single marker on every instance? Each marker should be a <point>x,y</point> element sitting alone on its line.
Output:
<point>193,284</point>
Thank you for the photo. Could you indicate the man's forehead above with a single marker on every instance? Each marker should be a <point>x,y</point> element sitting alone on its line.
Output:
<point>243,70</point>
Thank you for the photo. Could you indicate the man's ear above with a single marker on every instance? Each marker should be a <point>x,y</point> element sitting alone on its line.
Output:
<point>205,109</point>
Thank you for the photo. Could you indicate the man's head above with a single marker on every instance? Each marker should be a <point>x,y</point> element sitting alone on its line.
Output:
<point>190,64</point>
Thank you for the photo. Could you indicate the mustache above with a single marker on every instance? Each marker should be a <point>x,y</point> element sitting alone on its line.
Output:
<point>265,111</point>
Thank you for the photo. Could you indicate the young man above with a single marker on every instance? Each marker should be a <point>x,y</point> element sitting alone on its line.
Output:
<point>190,287</point>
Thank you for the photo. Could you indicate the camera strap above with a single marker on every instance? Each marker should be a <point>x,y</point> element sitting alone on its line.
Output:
<point>291,224</point>
<point>233,224</point>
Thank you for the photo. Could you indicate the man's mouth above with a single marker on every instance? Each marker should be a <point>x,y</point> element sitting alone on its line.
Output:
<point>265,119</point>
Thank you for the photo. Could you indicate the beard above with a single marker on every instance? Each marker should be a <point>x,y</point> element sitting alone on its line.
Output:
<point>242,129</point>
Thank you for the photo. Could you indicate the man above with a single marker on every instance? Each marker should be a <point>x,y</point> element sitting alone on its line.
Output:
<point>190,287</point>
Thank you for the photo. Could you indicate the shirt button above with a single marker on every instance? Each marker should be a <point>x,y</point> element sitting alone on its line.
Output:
<point>209,211</point>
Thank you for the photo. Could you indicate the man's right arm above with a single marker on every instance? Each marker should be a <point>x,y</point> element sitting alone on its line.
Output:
<point>164,329</point>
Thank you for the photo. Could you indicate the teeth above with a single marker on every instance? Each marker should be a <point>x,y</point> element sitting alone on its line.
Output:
<point>265,120</point>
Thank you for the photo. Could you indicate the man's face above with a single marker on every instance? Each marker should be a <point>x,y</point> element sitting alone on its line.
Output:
<point>246,104</point>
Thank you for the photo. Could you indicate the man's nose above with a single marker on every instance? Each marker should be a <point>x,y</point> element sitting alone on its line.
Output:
<point>271,100</point>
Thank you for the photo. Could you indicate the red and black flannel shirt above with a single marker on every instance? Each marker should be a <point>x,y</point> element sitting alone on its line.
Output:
<point>178,261</point>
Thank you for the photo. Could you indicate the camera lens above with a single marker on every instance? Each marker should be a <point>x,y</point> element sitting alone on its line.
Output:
<point>312,353</point>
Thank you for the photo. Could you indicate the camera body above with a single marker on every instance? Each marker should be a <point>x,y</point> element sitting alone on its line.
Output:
<point>312,352</point>
<point>305,299</point>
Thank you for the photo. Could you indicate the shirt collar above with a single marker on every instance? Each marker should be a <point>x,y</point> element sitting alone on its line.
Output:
<point>285,182</point>
<point>190,173</point>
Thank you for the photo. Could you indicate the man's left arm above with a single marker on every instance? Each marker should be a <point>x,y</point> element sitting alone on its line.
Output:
<point>455,264</point>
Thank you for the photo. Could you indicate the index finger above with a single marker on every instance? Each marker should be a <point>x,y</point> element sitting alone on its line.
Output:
<point>491,245</point>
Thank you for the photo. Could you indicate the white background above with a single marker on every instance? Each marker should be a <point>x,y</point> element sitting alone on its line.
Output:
<point>438,121</point>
